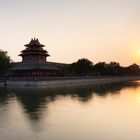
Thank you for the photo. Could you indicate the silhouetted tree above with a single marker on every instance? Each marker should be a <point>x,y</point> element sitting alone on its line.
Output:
<point>81,67</point>
<point>133,69</point>
<point>114,68</point>
<point>5,61</point>
<point>101,68</point>
<point>85,67</point>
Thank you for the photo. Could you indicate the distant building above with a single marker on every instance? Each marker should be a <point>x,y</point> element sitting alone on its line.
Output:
<point>34,62</point>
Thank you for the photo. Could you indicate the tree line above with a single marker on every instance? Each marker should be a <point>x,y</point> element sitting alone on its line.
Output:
<point>5,63</point>
<point>85,67</point>
<point>82,67</point>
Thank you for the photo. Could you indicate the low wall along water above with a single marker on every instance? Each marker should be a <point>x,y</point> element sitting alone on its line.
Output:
<point>64,81</point>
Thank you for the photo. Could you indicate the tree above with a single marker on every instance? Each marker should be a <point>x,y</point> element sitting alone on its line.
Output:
<point>101,68</point>
<point>5,62</point>
<point>114,68</point>
<point>81,67</point>
<point>133,69</point>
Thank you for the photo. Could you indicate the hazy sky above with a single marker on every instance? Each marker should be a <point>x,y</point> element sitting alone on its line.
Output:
<point>100,30</point>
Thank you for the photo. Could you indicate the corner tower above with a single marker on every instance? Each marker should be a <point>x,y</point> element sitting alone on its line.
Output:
<point>34,63</point>
<point>34,52</point>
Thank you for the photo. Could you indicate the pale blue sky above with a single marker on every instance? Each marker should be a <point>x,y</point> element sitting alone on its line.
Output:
<point>100,30</point>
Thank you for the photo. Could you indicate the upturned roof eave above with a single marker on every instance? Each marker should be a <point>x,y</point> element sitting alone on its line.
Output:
<point>38,45</point>
<point>33,54</point>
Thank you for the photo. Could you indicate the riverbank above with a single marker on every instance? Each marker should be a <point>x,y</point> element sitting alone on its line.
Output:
<point>65,81</point>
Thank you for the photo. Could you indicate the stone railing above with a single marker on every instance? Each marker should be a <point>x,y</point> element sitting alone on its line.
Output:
<point>52,78</point>
<point>3,79</point>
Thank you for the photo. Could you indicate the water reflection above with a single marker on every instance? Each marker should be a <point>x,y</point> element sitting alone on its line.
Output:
<point>5,96</point>
<point>34,100</point>
<point>34,103</point>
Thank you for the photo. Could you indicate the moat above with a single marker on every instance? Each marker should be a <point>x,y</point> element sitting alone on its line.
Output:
<point>99,112</point>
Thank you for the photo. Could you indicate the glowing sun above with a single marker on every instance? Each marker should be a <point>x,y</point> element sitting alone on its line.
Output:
<point>138,52</point>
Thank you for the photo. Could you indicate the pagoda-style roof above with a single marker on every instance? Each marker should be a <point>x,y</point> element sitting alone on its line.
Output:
<point>34,62</point>
<point>34,43</point>
<point>34,48</point>
<point>23,66</point>
<point>34,52</point>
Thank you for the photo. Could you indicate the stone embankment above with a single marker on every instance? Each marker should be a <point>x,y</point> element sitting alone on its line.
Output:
<point>65,81</point>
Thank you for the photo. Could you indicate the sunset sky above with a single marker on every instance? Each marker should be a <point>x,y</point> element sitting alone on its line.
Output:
<point>100,30</point>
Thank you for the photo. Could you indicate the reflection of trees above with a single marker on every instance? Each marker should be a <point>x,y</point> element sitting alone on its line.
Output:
<point>114,88</point>
<point>5,96</point>
<point>34,100</point>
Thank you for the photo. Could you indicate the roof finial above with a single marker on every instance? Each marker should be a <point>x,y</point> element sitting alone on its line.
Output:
<point>34,42</point>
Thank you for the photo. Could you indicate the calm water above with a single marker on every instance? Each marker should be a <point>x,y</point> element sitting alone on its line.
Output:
<point>106,112</point>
